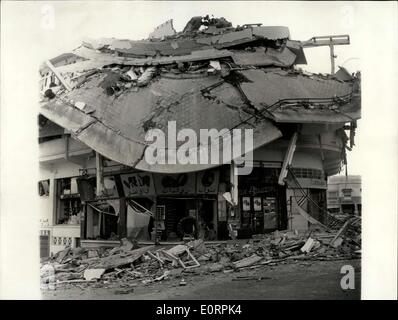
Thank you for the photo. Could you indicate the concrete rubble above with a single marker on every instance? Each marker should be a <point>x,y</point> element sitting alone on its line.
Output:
<point>132,265</point>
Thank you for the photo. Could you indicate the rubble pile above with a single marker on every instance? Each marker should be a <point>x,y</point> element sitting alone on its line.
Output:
<point>130,265</point>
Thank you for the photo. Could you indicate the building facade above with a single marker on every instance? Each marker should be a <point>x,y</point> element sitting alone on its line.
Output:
<point>344,194</point>
<point>71,212</point>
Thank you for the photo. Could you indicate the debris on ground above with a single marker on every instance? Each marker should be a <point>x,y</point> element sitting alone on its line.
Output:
<point>132,265</point>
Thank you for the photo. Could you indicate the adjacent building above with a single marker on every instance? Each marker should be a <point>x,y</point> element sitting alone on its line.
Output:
<point>344,194</point>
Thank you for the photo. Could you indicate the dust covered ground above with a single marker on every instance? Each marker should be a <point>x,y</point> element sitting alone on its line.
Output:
<point>308,280</point>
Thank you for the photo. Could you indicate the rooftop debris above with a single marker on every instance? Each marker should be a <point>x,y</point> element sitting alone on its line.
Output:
<point>196,22</point>
<point>244,76</point>
<point>132,266</point>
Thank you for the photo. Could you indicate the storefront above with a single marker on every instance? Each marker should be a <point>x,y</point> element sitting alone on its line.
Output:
<point>262,202</point>
<point>125,202</point>
<point>144,205</point>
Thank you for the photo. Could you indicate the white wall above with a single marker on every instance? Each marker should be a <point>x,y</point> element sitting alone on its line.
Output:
<point>55,170</point>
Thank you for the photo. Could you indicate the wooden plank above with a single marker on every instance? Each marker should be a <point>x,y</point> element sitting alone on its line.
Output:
<point>308,245</point>
<point>155,257</point>
<point>341,231</point>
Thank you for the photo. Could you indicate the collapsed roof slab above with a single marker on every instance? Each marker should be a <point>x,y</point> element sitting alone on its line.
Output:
<point>116,126</point>
<point>288,96</point>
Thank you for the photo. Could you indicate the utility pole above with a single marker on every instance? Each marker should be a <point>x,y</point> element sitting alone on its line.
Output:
<point>99,174</point>
<point>329,41</point>
<point>332,57</point>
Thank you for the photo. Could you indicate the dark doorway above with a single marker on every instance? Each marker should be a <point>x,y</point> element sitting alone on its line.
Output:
<point>262,202</point>
<point>175,210</point>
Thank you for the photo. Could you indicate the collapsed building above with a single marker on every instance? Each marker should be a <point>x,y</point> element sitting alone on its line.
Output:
<point>99,101</point>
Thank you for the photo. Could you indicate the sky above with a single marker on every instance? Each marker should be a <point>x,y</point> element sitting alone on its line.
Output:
<point>34,31</point>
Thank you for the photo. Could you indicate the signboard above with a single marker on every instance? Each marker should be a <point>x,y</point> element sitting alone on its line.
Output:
<point>207,182</point>
<point>138,184</point>
<point>110,187</point>
<point>246,203</point>
<point>175,184</point>
<point>257,204</point>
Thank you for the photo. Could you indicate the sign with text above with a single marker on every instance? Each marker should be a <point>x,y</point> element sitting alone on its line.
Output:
<point>175,184</point>
<point>207,182</point>
<point>138,184</point>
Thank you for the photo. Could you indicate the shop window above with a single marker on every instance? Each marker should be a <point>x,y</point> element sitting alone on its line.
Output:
<point>69,205</point>
<point>346,192</point>
<point>44,188</point>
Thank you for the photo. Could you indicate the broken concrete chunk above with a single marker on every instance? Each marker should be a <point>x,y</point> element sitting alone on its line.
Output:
<point>166,29</point>
<point>92,254</point>
<point>60,256</point>
<point>337,243</point>
<point>177,250</point>
<point>204,257</point>
<point>215,65</point>
<point>127,245</point>
<point>271,32</point>
<point>91,274</point>
<point>308,245</point>
<point>197,246</point>
<point>215,267</point>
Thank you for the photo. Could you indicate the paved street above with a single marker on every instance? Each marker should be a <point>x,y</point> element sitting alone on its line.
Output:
<point>310,280</point>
